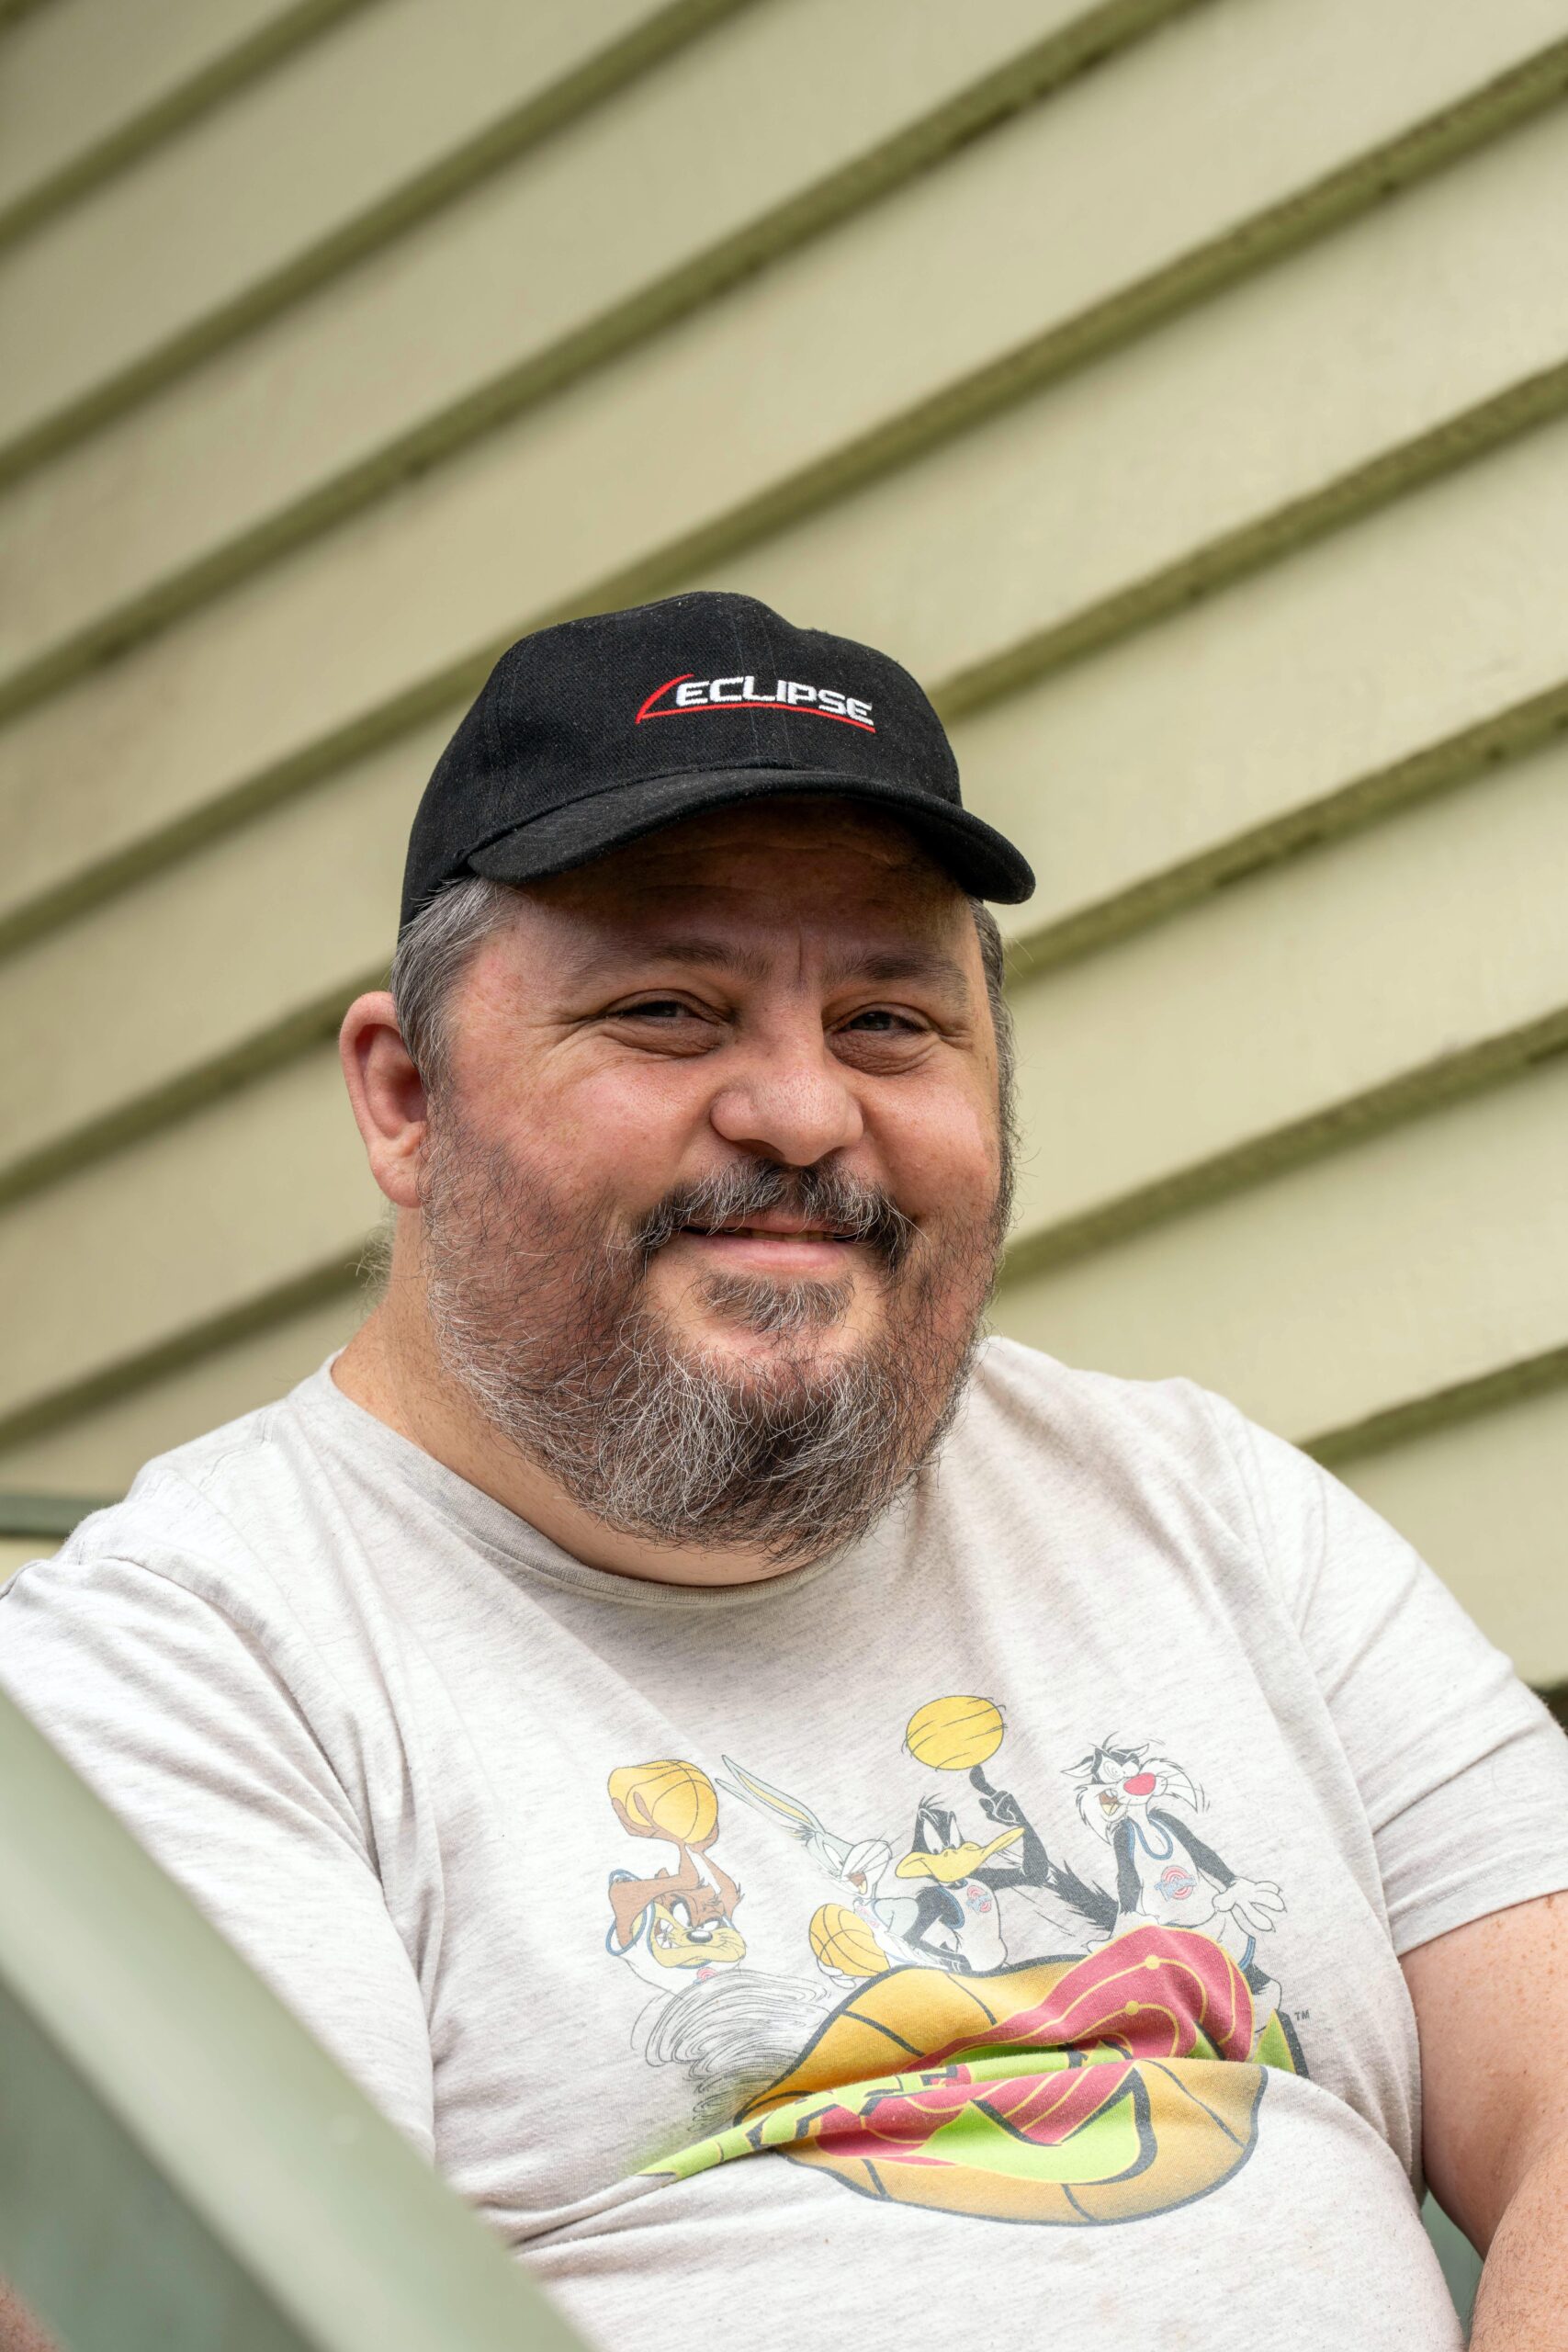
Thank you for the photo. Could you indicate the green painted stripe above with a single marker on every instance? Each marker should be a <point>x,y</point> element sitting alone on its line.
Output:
<point>1453,761</point>
<point>1033,75</point>
<point>541,117</point>
<point>44,1515</point>
<point>1446,1079</point>
<point>1240,252</point>
<point>1465,1400</point>
<point>338,1278</point>
<point>178,107</point>
<point>1473,433</point>
<point>300,1032</point>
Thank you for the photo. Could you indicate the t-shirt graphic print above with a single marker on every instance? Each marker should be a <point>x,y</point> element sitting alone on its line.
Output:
<point>949,2050</point>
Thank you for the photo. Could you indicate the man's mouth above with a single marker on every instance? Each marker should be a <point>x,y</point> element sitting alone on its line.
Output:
<point>763,1219</point>
<point>780,1244</point>
<point>767,1229</point>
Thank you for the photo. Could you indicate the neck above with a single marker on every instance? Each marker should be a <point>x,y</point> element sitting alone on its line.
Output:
<point>391,1368</point>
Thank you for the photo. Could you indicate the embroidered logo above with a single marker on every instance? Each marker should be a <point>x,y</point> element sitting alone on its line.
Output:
<point>689,694</point>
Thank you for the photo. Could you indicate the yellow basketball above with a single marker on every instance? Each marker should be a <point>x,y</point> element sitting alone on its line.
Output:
<point>666,1799</point>
<point>842,1939</point>
<point>951,1734</point>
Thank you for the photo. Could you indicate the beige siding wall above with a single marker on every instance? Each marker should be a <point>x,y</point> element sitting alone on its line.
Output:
<point>1180,386</point>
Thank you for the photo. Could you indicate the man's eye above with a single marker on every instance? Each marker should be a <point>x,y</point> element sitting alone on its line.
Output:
<point>878,1020</point>
<point>659,1008</point>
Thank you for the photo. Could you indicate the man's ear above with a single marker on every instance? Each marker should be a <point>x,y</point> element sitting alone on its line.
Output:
<point>387,1093</point>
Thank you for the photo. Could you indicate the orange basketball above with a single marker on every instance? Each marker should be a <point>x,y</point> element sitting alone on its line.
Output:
<point>841,1939</point>
<point>669,1800</point>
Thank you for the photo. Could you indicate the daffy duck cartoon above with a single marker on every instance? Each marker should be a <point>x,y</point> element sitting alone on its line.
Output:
<point>957,1917</point>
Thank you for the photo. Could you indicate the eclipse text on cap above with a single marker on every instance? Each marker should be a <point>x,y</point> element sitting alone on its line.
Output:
<point>691,693</point>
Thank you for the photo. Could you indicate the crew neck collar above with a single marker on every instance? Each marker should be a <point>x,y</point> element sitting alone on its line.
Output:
<point>515,1543</point>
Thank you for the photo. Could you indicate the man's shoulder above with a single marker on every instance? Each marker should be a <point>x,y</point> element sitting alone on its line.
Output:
<point>1021,1393</point>
<point>205,1514</point>
<point>1037,1432</point>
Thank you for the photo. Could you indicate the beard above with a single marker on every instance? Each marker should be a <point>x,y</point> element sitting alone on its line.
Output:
<point>538,1301</point>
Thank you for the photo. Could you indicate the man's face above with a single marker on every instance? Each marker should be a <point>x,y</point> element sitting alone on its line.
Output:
<point>721,1109</point>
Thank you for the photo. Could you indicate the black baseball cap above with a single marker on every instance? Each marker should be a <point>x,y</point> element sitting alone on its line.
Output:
<point>592,733</point>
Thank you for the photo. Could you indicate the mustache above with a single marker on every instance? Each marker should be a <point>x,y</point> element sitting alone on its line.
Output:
<point>819,1196</point>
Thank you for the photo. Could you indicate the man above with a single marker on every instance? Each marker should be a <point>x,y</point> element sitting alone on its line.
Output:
<point>766,1789</point>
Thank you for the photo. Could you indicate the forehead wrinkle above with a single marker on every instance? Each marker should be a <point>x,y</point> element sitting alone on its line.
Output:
<point>684,947</point>
<point>909,963</point>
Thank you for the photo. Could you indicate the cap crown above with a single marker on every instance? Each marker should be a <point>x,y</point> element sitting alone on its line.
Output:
<point>588,733</point>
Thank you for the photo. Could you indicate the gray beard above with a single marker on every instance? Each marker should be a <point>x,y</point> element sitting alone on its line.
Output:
<point>536,1310</point>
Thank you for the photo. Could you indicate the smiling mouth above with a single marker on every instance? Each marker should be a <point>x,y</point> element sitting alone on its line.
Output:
<point>768,1233</point>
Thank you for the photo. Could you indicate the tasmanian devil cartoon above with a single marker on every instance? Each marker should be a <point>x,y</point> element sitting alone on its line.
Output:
<point>672,1928</point>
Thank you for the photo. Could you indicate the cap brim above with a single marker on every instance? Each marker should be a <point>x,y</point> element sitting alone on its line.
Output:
<point>978,858</point>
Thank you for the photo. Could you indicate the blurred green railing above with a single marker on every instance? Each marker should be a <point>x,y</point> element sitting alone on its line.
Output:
<point>182,2169</point>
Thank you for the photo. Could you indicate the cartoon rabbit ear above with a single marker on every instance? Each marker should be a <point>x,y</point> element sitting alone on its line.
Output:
<point>767,1798</point>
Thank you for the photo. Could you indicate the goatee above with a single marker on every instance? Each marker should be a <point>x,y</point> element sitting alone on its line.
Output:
<point>539,1303</point>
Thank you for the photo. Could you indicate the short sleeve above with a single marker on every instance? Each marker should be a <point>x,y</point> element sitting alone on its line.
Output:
<point>1463,1773</point>
<point>179,1721</point>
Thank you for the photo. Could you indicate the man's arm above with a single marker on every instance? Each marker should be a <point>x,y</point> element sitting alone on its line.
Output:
<point>1492,2007</point>
<point>19,2331</point>
<point>181,1716</point>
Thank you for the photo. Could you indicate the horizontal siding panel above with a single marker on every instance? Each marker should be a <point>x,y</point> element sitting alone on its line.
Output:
<point>394,92</point>
<point>197,1221</point>
<point>83,82</point>
<point>235,940</point>
<point>1484,1503</point>
<point>1393,335</point>
<point>1362,666</point>
<point>245,194</point>
<point>530,520</point>
<point>1431,1256</point>
<point>1269,1007</point>
<point>99,1453</point>
<point>531,267</point>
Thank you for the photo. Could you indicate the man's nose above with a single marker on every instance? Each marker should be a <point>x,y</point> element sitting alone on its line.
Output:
<point>791,1101</point>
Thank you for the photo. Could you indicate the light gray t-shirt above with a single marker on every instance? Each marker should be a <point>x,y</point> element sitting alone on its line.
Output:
<point>989,1935</point>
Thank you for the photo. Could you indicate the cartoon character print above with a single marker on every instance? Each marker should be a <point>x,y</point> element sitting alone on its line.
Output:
<point>729,2028</point>
<point>680,1919</point>
<point>1164,1870</point>
<point>938,1903</point>
<point>1114,2073</point>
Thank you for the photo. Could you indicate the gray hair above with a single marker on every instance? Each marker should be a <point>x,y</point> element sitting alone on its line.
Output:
<point>436,949</point>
